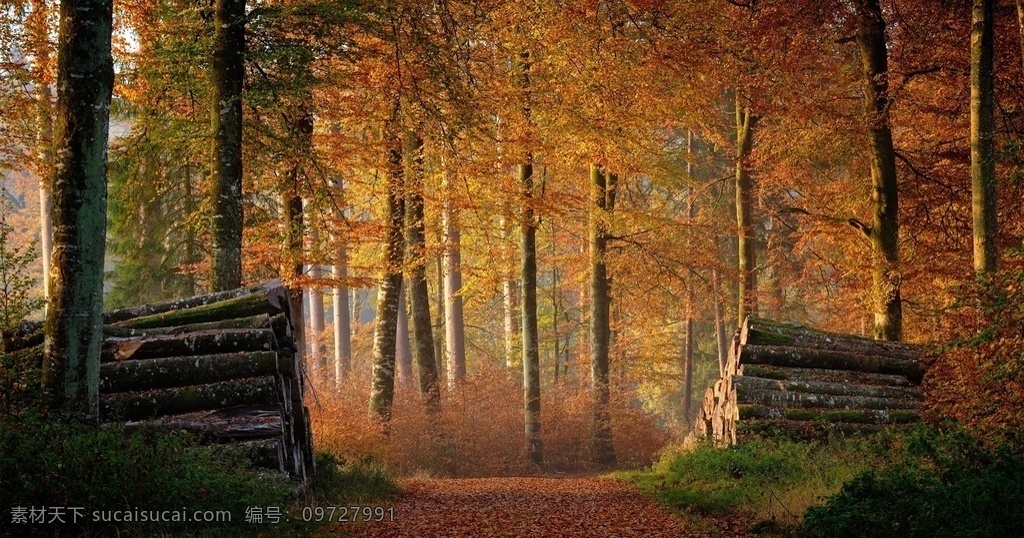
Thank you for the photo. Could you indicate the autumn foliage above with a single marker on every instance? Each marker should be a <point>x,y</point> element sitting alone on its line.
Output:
<point>478,431</point>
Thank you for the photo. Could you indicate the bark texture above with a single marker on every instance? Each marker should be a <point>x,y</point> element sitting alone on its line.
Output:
<point>884,229</point>
<point>85,78</point>
<point>602,202</point>
<point>746,123</point>
<point>226,72</point>
<point>454,321</point>
<point>419,294</point>
<point>983,158</point>
<point>382,390</point>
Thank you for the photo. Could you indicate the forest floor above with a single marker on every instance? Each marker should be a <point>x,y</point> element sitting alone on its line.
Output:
<point>532,506</point>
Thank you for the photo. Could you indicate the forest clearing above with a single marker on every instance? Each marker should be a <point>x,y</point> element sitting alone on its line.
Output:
<point>488,268</point>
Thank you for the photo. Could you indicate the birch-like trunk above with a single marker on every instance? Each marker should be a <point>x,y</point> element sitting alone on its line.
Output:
<point>403,349</point>
<point>39,37</point>
<point>382,389</point>
<point>983,158</point>
<point>884,229</point>
<point>342,318</point>
<point>73,329</point>
<point>316,312</point>
<point>509,291</point>
<point>226,72</point>
<point>454,323</point>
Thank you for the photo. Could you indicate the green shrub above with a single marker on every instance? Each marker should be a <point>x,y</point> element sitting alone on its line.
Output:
<point>947,485</point>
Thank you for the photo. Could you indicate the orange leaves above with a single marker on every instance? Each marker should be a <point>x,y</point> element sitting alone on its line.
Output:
<point>526,507</point>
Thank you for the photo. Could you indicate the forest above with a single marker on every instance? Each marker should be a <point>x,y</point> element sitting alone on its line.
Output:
<point>487,268</point>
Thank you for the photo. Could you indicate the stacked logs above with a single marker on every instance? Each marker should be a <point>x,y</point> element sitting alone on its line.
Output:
<point>223,367</point>
<point>789,379</point>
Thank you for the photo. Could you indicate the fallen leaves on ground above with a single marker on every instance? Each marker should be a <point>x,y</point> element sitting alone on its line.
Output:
<point>482,507</point>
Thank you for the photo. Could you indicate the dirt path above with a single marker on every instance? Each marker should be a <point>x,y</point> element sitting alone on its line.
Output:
<point>534,507</point>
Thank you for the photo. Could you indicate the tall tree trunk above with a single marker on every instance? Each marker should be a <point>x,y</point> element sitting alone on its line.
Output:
<point>403,348</point>
<point>509,292</point>
<point>439,329</point>
<point>227,70</point>
<point>316,316</point>
<point>39,35</point>
<point>291,213</point>
<point>73,331</point>
<point>983,159</point>
<point>342,319</point>
<point>419,294</point>
<point>382,390</point>
<point>455,328</point>
<point>556,304</point>
<point>528,277</point>
<point>746,122</point>
<point>602,202</point>
<point>688,349</point>
<point>884,229</point>
<point>720,339</point>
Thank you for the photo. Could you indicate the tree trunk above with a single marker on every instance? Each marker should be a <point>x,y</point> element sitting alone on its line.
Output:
<point>509,292</point>
<point>39,36</point>
<point>440,313</point>
<point>764,332</point>
<point>187,399</point>
<point>85,78</point>
<point>239,307</point>
<point>602,202</point>
<point>746,123</point>
<point>528,277</point>
<point>196,343</point>
<point>260,321</point>
<point>342,316</point>
<point>403,349</point>
<point>884,229</point>
<point>801,357</point>
<point>419,294</point>
<point>720,339</point>
<point>226,72</point>
<point>291,212</point>
<point>983,159</point>
<point>382,390</point>
<point>688,349</point>
<point>454,324</point>
<point>316,315</point>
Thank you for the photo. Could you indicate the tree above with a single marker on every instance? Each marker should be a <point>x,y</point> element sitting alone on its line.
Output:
<point>382,390</point>
<point>419,295</point>
<point>38,28</point>
<point>528,278</point>
<point>746,122</point>
<point>226,73</point>
<point>884,229</point>
<point>454,324</point>
<point>342,318</point>
<point>983,159</point>
<point>602,201</point>
<point>85,79</point>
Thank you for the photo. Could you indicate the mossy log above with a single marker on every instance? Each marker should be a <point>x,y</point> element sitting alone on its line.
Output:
<point>260,321</point>
<point>252,304</point>
<point>746,382</point>
<point>762,332</point>
<point>860,416</point>
<point>197,343</point>
<point>806,357</point>
<point>785,373</point>
<point>122,314</point>
<point>179,400</point>
<point>166,372</point>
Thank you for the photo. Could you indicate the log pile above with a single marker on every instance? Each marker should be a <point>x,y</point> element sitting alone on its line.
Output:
<point>793,380</point>
<point>223,367</point>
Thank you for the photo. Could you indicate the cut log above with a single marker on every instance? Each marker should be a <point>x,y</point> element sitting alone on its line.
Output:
<point>820,374</point>
<point>762,332</point>
<point>860,416</point>
<point>122,314</point>
<point>778,398</point>
<point>242,423</point>
<point>175,401</point>
<point>252,304</point>
<point>166,372</point>
<point>197,343</point>
<point>817,387</point>
<point>261,321</point>
<point>805,357</point>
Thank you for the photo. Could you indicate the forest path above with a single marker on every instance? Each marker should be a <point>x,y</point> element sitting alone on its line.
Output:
<point>526,506</point>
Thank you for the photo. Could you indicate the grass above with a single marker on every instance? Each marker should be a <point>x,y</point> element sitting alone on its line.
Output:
<point>46,464</point>
<point>766,482</point>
